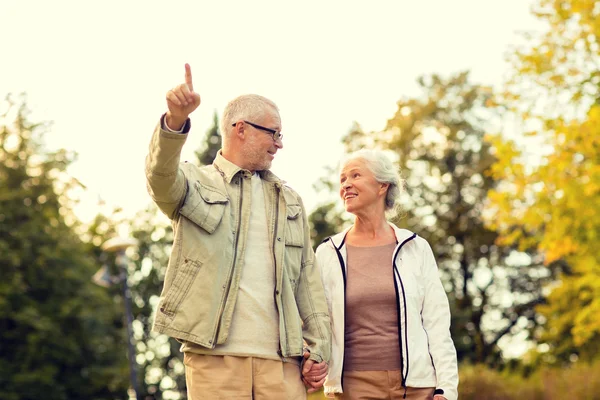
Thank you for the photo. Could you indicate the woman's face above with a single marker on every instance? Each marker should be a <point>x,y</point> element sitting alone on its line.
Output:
<point>358,188</point>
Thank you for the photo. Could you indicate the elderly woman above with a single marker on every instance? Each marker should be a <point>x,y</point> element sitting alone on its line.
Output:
<point>389,312</point>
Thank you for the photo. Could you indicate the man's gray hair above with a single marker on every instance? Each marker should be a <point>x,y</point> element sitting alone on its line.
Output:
<point>384,171</point>
<point>245,107</point>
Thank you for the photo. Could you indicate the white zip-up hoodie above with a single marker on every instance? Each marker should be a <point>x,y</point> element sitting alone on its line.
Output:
<point>428,355</point>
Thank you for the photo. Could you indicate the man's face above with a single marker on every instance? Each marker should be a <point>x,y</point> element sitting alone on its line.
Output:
<point>259,147</point>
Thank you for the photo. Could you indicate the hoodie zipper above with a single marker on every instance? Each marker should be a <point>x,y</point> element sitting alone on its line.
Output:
<point>399,313</point>
<point>343,267</point>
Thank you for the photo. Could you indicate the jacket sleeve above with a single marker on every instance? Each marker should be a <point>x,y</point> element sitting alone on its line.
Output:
<point>311,301</point>
<point>165,180</point>
<point>436,321</point>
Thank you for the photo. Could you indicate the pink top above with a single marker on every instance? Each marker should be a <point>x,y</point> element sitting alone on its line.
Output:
<point>371,334</point>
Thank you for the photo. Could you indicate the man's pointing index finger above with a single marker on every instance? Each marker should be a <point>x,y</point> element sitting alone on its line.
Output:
<point>188,77</point>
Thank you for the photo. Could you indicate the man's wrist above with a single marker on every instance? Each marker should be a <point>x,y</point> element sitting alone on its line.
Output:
<point>174,123</point>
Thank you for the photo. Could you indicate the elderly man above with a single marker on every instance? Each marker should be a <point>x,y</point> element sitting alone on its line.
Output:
<point>241,292</point>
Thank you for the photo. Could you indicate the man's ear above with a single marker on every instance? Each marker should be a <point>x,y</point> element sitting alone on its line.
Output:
<point>240,129</point>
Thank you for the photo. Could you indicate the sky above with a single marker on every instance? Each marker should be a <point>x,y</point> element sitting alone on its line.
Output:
<point>100,72</point>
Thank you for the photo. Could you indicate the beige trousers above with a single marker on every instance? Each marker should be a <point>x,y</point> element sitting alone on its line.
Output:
<point>373,385</point>
<point>228,377</point>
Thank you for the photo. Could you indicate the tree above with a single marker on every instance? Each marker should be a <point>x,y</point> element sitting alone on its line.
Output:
<point>159,358</point>
<point>60,333</point>
<point>551,196</point>
<point>325,221</point>
<point>212,144</point>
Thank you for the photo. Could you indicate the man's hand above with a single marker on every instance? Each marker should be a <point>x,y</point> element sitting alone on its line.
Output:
<point>313,374</point>
<point>181,101</point>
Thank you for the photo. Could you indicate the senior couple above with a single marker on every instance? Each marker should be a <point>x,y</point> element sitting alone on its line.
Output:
<point>259,315</point>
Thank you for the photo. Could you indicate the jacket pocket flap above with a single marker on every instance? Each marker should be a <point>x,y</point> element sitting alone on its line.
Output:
<point>204,206</point>
<point>211,195</point>
<point>293,227</point>
<point>293,211</point>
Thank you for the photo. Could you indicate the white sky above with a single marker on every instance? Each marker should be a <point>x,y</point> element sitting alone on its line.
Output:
<point>100,71</point>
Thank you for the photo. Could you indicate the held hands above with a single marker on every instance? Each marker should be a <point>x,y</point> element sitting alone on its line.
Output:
<point>313,374</point>
<point>181,101</point>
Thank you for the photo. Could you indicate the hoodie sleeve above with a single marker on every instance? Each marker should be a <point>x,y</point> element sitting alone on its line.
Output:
<point>436,321</point>
<point>326,261</point>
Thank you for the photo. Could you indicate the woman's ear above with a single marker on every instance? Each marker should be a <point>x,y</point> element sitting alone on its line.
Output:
<point>384,188</point>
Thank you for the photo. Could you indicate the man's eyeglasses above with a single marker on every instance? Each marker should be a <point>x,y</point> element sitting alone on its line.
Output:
<point>276,135</point>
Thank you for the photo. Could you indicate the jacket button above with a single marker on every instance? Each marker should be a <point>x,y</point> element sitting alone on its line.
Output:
<point>185,261</point>
<point>277,292</point>
<point>210,342</point>
<point>279,239</point>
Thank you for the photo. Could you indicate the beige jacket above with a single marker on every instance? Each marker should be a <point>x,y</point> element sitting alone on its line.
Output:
<point>210,209</point>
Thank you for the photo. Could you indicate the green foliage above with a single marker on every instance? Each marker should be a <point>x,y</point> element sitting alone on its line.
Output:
<point>158,356</point>
<point>553,204</point>
<point>212,143</point>
<point>60,333</point>
<point>325,221</point>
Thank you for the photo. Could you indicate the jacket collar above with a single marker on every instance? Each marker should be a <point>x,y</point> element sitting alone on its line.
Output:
<point>338,240</point>
<point>229,170</point>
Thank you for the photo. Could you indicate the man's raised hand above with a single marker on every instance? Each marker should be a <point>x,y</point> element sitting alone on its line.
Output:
<point>181,101</point>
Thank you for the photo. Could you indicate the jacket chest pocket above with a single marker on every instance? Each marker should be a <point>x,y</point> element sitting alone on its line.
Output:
<point>294,242</point>
<point>204,206</point>
<point>293,226</point>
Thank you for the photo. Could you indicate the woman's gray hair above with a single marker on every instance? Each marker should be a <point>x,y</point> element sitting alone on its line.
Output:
<point>384,171</point>
<point>245,107</point>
